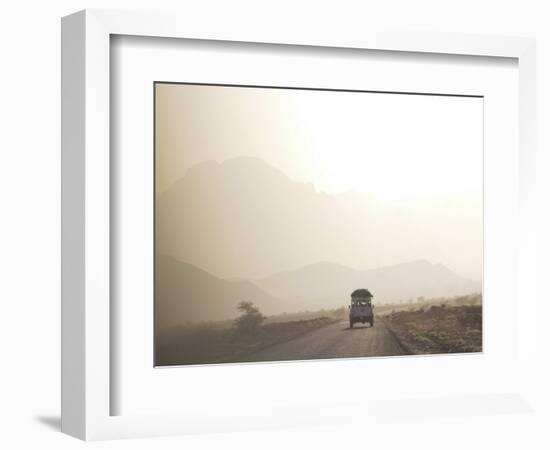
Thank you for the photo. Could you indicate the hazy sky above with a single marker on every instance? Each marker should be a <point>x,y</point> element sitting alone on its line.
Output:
<point>420,156</point>
<point>389,145</point>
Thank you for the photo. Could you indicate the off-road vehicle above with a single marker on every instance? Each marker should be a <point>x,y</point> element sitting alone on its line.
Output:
<point>361,308</point>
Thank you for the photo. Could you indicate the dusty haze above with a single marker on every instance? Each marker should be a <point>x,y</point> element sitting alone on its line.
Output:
<point>251,182</point>
<point>273,205</point>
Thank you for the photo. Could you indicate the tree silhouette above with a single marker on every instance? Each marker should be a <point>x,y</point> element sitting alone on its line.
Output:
<point>250,319</point>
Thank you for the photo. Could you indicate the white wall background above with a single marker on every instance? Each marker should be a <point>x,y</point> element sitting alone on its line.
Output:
<point>29,225</point>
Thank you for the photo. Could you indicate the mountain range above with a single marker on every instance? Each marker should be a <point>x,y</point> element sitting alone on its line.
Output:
<point>328,285</point>
<point>230,231</point>
<point>244,218</point>
<point>184,293</point>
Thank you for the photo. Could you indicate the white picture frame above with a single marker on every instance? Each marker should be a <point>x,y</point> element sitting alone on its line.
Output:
<point>86,218</point>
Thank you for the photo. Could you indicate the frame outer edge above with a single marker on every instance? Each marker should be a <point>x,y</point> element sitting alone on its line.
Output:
<point>97,226</point>
<point>85,192</point>
<point>73,82</point>
<point>527,245</point>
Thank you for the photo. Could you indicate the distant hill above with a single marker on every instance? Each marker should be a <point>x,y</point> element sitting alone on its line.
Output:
<point>185,293</point>
<point>243,218</point>
<point>328,285</point>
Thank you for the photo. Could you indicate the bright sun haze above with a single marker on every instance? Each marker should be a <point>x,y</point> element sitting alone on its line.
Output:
<point>391,146</point>
<point>410,167</point>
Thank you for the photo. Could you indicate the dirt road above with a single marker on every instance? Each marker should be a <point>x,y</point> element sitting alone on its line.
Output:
<point>334,341</point>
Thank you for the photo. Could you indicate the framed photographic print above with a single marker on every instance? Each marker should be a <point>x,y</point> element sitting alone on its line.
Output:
<point>308,213</point>
<point>285,216</point>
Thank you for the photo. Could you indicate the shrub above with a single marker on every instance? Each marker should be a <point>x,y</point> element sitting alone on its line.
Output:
<point>250,319</point>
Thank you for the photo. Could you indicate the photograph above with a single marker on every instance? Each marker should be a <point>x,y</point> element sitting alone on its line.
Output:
<point>296,223</point>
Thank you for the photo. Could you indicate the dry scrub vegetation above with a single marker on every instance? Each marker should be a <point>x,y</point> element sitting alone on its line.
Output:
<point>223,342</point>
<point>454,326</point>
